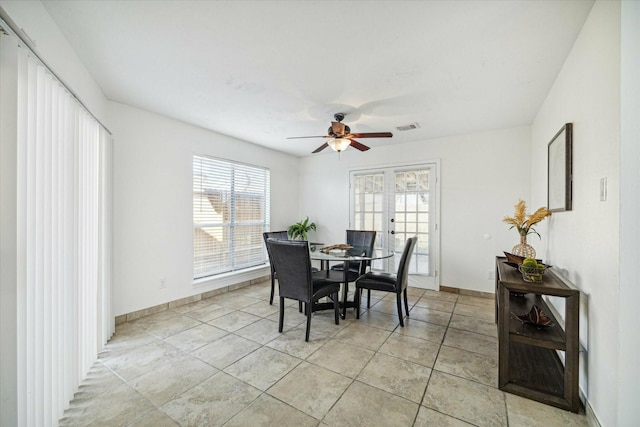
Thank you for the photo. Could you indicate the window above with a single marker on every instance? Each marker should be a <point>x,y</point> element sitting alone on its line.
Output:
<point>230,213</point>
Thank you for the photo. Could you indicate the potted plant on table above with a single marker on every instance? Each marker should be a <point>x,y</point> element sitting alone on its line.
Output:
<point>299,230</point>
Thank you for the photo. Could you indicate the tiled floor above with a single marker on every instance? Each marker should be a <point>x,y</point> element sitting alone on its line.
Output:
<point>221,361</point>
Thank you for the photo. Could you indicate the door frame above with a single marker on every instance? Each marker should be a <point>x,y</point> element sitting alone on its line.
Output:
<point>414,279</point>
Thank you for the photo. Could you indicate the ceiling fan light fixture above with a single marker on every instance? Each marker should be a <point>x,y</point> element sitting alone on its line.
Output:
<point>339,144</point>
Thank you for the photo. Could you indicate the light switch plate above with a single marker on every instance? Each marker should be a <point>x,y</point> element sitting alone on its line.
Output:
<point>603,189</point>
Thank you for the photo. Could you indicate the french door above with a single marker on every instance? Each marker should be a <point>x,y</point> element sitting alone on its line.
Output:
<point>400,202</point>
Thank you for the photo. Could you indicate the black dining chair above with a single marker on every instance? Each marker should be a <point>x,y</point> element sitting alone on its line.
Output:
<point>388,282</point>
<point>279,235</point>
<point>293,266</point>
<point>360,239</point>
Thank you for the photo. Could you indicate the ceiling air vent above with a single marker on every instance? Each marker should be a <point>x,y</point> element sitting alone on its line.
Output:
<point>410,126</point>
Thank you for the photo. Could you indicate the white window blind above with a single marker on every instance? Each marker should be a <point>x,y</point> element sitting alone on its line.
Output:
<point>62,253</point>
<point>230,212</point>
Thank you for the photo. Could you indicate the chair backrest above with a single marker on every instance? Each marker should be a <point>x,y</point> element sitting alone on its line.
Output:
<point>361,239</point>
<point>293,264</point>
<point>280,235</point>
<point>402,277</point>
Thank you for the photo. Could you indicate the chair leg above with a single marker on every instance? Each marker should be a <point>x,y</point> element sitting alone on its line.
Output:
<point>281,322</point>
<point>307,310</point>
<point>344,300</point>
<point>368,298</point>
<point>399,304</point>
<point>357,298</point>
<point>273,286</point>
<point>335,308</point>
<point>300,306</point>
<point>406,303</point>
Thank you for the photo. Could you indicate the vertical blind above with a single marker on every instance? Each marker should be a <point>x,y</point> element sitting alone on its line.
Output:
<point>63,251</point>
<point>230,213</point>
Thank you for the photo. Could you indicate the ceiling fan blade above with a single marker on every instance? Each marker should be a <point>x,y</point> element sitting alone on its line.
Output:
<point>300,137</point>
<point>338,128</point>
<point>319,149</point>
<point>355,144</point>
<point>371,135</point>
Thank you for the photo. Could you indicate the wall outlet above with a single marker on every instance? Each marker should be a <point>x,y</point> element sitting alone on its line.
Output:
<point>163,283</point>
<point>491,275</point>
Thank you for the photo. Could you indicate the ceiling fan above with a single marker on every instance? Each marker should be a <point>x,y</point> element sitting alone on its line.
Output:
<point>341,137</point>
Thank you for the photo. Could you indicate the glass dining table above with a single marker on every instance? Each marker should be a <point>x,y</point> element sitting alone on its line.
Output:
<point>355,254</point>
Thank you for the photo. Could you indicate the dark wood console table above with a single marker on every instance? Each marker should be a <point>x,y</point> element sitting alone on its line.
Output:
<point>528,360</point>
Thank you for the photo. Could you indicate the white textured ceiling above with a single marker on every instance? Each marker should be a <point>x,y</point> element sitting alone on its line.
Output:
<point>263,71</point>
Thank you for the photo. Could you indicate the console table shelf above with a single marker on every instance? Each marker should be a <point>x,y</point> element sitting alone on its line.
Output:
<point>528,359</point>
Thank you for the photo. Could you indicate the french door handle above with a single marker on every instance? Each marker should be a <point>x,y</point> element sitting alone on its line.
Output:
<point>393,232</point>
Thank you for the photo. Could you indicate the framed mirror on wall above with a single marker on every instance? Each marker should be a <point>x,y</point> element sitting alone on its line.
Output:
<point>559,170</point>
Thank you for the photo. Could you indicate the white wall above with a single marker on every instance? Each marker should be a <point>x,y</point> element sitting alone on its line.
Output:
<point>153,203</point>
<point>583,243</point>
<point>482,176</point>
<point>628,336</point>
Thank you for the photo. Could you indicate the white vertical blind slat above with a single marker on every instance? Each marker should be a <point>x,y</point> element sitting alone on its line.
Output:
<point>63,308</point>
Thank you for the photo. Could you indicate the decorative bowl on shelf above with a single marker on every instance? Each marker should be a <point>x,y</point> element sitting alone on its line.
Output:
<point>532,274</point>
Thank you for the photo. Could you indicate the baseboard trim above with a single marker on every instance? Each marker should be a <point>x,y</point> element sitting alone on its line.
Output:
<point>124,318</point>
<point>467,292</point>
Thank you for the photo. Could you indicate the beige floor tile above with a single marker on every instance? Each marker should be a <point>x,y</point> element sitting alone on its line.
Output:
<point>529,413</point>
<point>473,324</point>
<point>364,405</point>
<point>341,357</point>
<point>266,411</point>
<point>168,381</point>
<point>261,331</point>
<point>461,386</point>
<point>477,301</point>
<point>435,304</point>
<point>212,403</point>
<point>469,365</point>
<point>225,351</point>
<point>126,338</point>
<point>292,318</point>
<point>486,313</point>
<point>471,341</point>
<point>155,418</point>
<point>386,306</point>
<point>186,308</point>
<point>411,349</point>
<point>263,368</point>
<point>292,342</point>
<point>233,321</point>
<point>194,338</point>
<point>431,316</point>
<point>430,418</point>
<point>378,319</point>
<point>99,380</point>
<point>142,359</point>
<point>363,336</point>
<point>311,389</point>
<point>397,376</point>
<point>423,330</point>
<point>234,301</point>
<point>442,296</point>
<point>117,406</point>
<point>209,312</point>
<point>467,400</point>
<point>262,308</point>
<point>165,324</point>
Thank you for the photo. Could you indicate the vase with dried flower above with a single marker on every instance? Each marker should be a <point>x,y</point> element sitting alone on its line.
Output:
<point>524,223</point>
